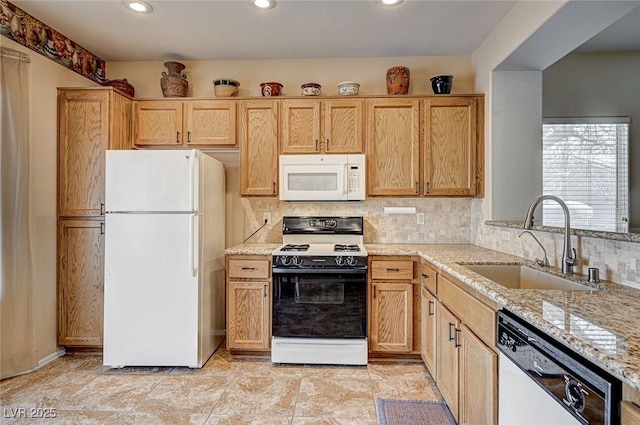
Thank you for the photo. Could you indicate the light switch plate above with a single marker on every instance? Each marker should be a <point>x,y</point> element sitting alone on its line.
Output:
<point>506,236</point>
<point>266,217</point>
<point>420,218</point>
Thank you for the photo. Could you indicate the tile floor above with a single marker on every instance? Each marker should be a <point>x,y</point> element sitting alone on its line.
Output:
<point>229,391</point>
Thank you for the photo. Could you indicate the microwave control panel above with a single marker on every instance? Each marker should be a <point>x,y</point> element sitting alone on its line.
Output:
<point>354,178</point>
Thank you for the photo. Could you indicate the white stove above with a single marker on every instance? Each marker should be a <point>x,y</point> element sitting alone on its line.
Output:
<point>319,300</point>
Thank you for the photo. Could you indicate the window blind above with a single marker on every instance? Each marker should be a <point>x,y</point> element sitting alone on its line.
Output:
<point>585,163</point>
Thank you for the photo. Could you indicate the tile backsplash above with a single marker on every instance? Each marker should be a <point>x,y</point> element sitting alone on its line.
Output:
<point>618,261</point>
<point>446,220</point>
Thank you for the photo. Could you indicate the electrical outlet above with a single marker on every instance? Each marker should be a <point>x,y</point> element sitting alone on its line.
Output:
<point>420,218</point>
<point>506,236</point>
<point>266,217</point>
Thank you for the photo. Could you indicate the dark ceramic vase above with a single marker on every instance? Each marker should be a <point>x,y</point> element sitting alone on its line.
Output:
<point>174,84</point>
<point>441,84</point>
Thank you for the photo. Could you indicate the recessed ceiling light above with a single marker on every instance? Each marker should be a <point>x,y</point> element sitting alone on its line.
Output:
<point>264,4</point>
<point>389,2</point>
<point>138,6</point>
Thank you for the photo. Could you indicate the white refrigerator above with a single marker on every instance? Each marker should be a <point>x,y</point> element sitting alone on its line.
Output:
<point>164,258</point>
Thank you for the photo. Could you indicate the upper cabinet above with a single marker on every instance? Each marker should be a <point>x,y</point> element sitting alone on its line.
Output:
<point>322,126</point>
<point>259,147</point>
<point>89,122</point>
<point>197,123</point>
<point>393,141</point>
<point>425,147</point>
<point>451,146</point>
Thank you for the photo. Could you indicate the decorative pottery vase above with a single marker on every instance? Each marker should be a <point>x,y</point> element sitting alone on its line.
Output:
<point>174,84</point>
<point>122,85</point>
<point>398,80</point>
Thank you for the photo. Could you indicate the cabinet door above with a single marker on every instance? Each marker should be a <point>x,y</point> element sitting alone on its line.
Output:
<point>83,126</point>
<point>428,340</point>
<point>248,315</point>
<point>478,381</point>
<point>391,317</point>
<point>211,123</point>
<point>300,125</point>
<point>393,127</point>
<point>259,147</point>
<point>450,146</point>
<point>80,282</point>
<point>447,357</point>
<point>343,129</point>
<point>158,123</point>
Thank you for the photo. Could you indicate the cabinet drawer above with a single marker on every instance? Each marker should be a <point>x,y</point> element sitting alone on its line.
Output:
<point>428,275</point>
<point>249,269</point>
<point>392,270</point>
<point>475,314</point>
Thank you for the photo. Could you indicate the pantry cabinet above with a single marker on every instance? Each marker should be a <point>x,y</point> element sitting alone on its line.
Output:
<point>259,137</point>
<point>391,301</point>
<point>90,121</point>
<point>451,146</point>
<point>322,126</point>
<point>196,123</point>
<point>80,282</point>
<point>393,147</point>
<point>248,303</point>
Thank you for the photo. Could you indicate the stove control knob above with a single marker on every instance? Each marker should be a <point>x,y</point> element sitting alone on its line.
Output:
<point>340,260</point>
<point>575,394</point>
<point>296,260</point>
<point>332,224</point>
<point>351,260</point>
<point>284,260</point>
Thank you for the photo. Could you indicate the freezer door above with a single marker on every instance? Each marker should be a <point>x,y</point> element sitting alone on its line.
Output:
<point>151,310</point>
<point>142,181</point>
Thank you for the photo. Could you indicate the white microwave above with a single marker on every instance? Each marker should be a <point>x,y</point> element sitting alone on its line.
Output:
<point>322,177</point>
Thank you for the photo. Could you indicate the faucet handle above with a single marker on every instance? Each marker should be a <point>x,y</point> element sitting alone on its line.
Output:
<point>573,259</point>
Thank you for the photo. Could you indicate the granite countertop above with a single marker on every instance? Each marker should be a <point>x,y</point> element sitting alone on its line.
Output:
<point>602,324</point>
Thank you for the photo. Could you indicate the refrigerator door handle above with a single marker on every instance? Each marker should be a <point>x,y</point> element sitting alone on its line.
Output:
<point>194,171</point>
<point>194,243</point>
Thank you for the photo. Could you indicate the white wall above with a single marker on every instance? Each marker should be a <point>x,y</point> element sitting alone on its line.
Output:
<point>600,84</point>
<point>44,77</point>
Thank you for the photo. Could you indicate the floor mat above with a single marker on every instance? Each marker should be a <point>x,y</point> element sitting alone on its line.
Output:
<point>413,412</point>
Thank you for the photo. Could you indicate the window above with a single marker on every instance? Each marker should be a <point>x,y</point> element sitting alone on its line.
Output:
<point>585,163</point>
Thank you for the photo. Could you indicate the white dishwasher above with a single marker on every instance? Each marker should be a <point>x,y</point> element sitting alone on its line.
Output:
<point>540,382</point>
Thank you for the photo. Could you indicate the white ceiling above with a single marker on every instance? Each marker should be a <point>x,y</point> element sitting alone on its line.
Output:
<point>234,29</point>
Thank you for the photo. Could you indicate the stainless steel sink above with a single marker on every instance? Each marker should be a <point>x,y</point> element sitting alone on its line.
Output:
<point>514,276</point>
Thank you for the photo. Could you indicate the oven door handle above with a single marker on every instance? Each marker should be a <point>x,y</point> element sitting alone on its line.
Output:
<point>279,271</point>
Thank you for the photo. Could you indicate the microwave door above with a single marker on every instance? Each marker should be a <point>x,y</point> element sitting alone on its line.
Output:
<point>311,182</point>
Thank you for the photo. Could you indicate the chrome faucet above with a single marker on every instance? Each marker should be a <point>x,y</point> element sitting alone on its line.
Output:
<point>545,261</point>
<point>569,256</point>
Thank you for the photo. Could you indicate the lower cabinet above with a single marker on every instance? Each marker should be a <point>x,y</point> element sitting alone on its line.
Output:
<point>478,381</point>
<point>80,282</point>
<point>466,362</point>
<point>427,314</point>
<point>391,305</point>
<point>630,406</point>
<point>248,303</point>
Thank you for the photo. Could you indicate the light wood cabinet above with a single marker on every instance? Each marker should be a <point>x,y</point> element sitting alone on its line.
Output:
<point>259,148</point>
<point>630,406</point>
<point>248,303</point>
<point>90,121</point>
<point>428,323</point>
<point>448,357</point>
<point>391,300</point>
<point>322,126</point>
<point>393,142</point>
<point>196,123</point>
<point>478,381</point>
<point>80,282</point>
<point>467,363</point>
<point>451,144</point>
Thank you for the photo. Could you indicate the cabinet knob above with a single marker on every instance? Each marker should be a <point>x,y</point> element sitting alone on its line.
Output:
<point>327,145</point>
<point>177,137</point>
<point>102,228</point>
<point>452,327</point>
<point>417,188</point>
<point>264,289</point>
<point>431,304</point>
<point>316,144</point>
<point>456,344</point>
<point>101,208</point>
<point>188,137</point>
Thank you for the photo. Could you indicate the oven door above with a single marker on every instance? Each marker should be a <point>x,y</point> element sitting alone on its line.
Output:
<point>320,303</point>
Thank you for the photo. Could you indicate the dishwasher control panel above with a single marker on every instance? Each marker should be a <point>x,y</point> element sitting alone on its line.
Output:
<point>590,394</point>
